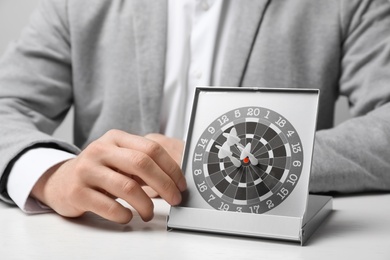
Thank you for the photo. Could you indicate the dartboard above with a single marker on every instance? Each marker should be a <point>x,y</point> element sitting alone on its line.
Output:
<point>247,160</point>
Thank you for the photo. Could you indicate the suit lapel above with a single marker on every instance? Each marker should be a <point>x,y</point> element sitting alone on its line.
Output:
<point>150,30</point>
<point>249,15</point>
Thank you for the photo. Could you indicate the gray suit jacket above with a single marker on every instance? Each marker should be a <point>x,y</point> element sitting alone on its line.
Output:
<point>107,57</point>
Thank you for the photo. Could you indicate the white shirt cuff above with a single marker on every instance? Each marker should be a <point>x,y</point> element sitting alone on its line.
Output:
<point>26,172</point>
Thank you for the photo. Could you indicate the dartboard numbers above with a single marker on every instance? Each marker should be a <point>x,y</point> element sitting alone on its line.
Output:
<point>247,160</point>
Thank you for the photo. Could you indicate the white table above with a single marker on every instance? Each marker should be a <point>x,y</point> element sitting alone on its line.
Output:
<point>358,228</point>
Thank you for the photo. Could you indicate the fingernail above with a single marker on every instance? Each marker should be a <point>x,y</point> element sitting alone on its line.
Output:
<point>182,185</point>
<point>177,199</point>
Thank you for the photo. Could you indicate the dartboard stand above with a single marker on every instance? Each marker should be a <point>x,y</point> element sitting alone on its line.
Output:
<point>247,164</point>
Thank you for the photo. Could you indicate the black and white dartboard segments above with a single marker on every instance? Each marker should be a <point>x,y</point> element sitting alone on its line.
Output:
<point>247,160</point>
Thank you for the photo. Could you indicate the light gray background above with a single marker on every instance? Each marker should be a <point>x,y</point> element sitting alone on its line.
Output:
<point>14,15</point>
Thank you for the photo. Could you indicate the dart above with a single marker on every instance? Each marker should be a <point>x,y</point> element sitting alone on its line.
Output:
<point>246,153</point>
<point>232,138</point>
<point>224,151</point>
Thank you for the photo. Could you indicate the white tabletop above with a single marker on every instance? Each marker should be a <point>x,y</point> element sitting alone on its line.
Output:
<point>358,228</point>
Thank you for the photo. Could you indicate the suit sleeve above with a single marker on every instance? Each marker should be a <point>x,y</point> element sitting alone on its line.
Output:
<point>35,87</point>
<point>355,156</point>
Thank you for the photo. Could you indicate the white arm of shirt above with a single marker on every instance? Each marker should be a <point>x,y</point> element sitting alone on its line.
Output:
<point>35,162</point>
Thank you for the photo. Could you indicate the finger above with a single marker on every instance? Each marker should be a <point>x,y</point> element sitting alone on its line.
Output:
<point>123,187</point>
<point>141,166</point>
<point>155,151</point>
<point>106,207</point>
<point>150,192</point>
<point>173,146</point>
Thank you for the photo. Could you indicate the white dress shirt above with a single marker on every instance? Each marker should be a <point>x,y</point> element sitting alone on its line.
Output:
<point>196,41</point>
<point>193,28</point>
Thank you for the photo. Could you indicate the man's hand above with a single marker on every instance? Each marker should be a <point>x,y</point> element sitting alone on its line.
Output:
<point>173,146</point>
<point>114,166</point>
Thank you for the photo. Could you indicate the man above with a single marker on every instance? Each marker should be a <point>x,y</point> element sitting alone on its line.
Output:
<point>131,66</point>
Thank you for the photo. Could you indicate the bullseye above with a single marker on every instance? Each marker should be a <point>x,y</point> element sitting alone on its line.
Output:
<point>246,160</point>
